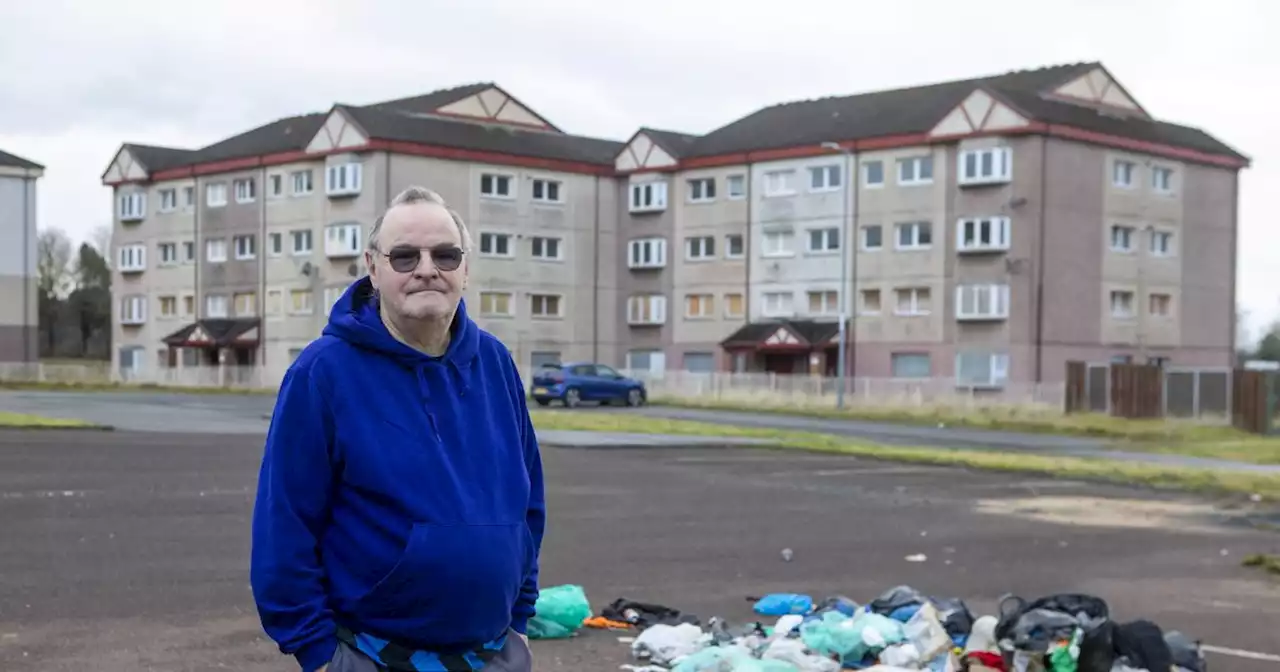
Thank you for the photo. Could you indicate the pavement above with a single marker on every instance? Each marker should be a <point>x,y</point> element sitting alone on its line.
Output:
<point>128,550</point>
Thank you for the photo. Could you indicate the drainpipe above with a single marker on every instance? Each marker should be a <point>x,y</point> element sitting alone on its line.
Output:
<point>853,256</point>
<point>1040,243</point>
<point>261,299</point>
<point>748,240</point>
<point>1235,237</point>
<point>595,273</point>
<point>27,183</point>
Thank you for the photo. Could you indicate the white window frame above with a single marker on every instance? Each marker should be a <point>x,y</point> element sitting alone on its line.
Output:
<point>866,174</point>
<point>188,251</point>
<point>997,230</point>
<point>215,195</point>
<point>332,294</point>
<point>648,196</point>
<point>238,297</point>
<point>168,200</point>
<point>246,189</point>
<point>834,305</point>
<point>559,314</point>
<point>1117,304</point>
<point>827,234</point>
<point>995,296</point>
<point>309,307</point>
<point>221,301</point>
<point>864,232</point>
<point>275,185</point>
<point>495,180</point>
<point>543,185</point>
<point>706,304</point>
<point>343,179</point>
<point>1162,186</point>
<point>777,243</point>
<point>1168,304</point>
<point>538,248</point>
<point>246,246</point>
<point>133,309</point>
<point>727,303</point>
<point>1121,236</point>
<point>826,178</point>
<point>1001,166</point>
<point>489,312</point>
<point>189,197</point>
<point>699,248</point>
<point>916,234</point>
<point>1165,250</point>
<point>728,246</point>
<point>657,252</point>
<point>779,183</point>
<point>735,187</point>
<point>273,304</point>
<point>914,309</point>
<point>700,190</point>
<point>862,301</point>
<point>133,207</point>
<point>275,244</point>
<point>778,304</point>
<point>647,309</point>
<point>342,240</point>
<point>1123,168</point>
<point>911,170</point>
<point>303,182</point>
<point>300,235</point>
<point>215,250</point>
<point>997,370</point>
<point>168,253</point>
<point>162,313</point>
<point>132,258</point>
<point>491,240</point>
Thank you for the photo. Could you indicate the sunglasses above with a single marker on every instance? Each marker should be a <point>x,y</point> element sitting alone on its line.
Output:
<point>404,259</point>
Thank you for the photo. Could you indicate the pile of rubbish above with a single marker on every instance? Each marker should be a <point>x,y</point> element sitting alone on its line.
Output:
<point>899,631</point>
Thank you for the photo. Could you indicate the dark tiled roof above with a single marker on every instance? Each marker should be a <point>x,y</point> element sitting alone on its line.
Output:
<point>291,134</point>
<point>433,101</point>
<point>918,109</point>
<point>12,161</point>
<point>672,142</point>
<point>160,158</point>
<point>222,330</point>
<point>812,331</point>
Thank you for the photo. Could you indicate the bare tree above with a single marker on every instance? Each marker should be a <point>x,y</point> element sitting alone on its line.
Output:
<point>100,239</point>
<point>53,263</point>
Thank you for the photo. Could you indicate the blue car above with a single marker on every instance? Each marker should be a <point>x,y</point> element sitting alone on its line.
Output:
<point>577,382</point>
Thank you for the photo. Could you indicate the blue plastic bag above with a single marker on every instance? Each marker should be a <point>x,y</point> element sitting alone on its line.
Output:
<point>783,604</point>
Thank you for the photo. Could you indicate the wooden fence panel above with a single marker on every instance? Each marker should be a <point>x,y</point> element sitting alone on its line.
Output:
<point>1137,391</point>
<point>1253,404</point>
<point>1077,396</point>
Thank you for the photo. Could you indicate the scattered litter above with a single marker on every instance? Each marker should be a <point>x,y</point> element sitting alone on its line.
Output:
<point>787,554</point>
<point>559,612</point>
<point>665,644</point>
<point>918,557</point>
<point>781,604</point>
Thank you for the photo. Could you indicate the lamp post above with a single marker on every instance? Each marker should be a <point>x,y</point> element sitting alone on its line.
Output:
<point>842,294</point>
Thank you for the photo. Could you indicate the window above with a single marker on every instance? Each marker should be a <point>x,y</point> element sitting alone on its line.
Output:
<point>1122,173</point>
<point>275,244</point>
<point>780,183</point>
<point>916,170</point>
<point>133,258</point>
<point>246,190</point>
<point>649,361</point>
<point>300,302</point>
<point>133,309</point>
<point>778,304</point>
<point>702,190</point>
<point>188,197</point>
<point>495,185</point>
<point>495,244</point>
<point>1161,243</point>
<point>982,302</point>
<point>824,240</point>
<point>873,173</point>
<point>542,247</point>
<point>992,165</point>
<point>301,242</point>
<point>826,302</point>
<point>734,246</point>
<point>188,305</point>
<point>915,235</point>
<point>544,305</point>
<point>734,306</point>
<point>1121,303</point>
<point>913,301</point>
<point>699,306</point>
<point>496,304</point>
<point>275,185</point>
<point>650,309</point>
<point>700,248</point>
<point>245,304</point>
<point>133,207</point>
<point>303,182</point>
<point>215,250</point>
<point>1121,238</point>
<point>168,306</point>
<point>275,302</point>
<point>981,369</point>
<point>168,254</point>
<point>736,186</point>
<point>331,297</point>
<point>870,302</point>
<point>824,178</point>
<point>777,244</point>
<point>1162,180</point>
<point>1159,304</point>
<point>547,191</point>
<point>189,252</point>
<point>246,247</point>
<point>647,253</point>
<point>872,237</point>
<point>215,195</point>
<point>168,200</point>
<point>981,234</point>
<point>909,365</point>
<point>649,197</point>
<point>342,240</point>
<point>700,362</point>
<point>215,305</point>
<point>343,179</point>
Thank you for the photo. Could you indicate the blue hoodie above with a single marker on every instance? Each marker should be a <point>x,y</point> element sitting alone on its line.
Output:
<point>400,494</point>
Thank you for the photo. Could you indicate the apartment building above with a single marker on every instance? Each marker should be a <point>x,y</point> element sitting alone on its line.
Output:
<point>987,230</point>
<point>19,313</point>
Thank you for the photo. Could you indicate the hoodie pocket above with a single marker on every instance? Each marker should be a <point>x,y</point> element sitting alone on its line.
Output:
<point>458,582</point>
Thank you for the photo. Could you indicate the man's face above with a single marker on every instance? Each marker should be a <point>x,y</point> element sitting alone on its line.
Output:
<point>426,291</point>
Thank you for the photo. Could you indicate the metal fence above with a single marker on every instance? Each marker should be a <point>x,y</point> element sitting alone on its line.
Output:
<point>1200,393</point>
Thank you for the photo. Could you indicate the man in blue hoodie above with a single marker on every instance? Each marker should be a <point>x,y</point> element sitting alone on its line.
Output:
<point>400,507</point>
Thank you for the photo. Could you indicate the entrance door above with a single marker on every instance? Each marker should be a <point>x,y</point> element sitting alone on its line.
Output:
<point>779,363</point>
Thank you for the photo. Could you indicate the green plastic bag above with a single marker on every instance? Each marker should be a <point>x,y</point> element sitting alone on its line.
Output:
<point>559,612</point>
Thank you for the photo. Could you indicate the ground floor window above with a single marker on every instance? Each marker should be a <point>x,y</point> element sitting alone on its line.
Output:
<point>699,362</point>
<point>539,359</point>
<point>910,365</point>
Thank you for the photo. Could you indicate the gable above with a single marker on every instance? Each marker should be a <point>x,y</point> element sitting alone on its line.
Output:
<point>199,335</point>
<point>124,168</point>
<point>1096,86</point>
<point>250,335</point>
<point>338,132</point>
<point>493,104</point>
<point>642,153</point>
<point>979,112</point>
<point>782,336</point>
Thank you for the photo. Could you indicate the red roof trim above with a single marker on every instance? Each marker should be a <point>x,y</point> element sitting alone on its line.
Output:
<point>414,149</point>
<point>1192,155</point>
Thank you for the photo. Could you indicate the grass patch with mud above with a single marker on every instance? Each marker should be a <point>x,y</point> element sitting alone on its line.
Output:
<point>26,421</point>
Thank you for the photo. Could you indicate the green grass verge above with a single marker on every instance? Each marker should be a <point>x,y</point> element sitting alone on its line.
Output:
<point>1266,562</point>
<point>1094,469</point>
<point>51,386</point>
<point>24,421</point>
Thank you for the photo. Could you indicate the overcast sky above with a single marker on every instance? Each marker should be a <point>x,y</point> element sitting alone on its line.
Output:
<point>79,78</point>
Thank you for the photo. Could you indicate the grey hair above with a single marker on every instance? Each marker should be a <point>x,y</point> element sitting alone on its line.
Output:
<point>417,194</point>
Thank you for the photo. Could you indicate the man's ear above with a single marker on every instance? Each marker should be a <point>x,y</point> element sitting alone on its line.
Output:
<point>371,264</point>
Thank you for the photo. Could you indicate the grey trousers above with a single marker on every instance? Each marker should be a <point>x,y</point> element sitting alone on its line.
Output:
<point>515,657</point>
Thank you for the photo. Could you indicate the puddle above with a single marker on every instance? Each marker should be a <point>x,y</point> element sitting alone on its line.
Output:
<point>1109,513</point>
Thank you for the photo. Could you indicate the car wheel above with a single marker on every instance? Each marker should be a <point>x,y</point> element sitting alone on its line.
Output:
<point>634,398</point>
<point>572,398</point>
<point>542,402</point>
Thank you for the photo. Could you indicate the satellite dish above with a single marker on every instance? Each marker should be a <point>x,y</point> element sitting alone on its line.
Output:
<point>306,268</point>
<point>352,270</point>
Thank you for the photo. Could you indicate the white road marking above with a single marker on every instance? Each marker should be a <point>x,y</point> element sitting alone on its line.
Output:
<point>1239,653</point>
